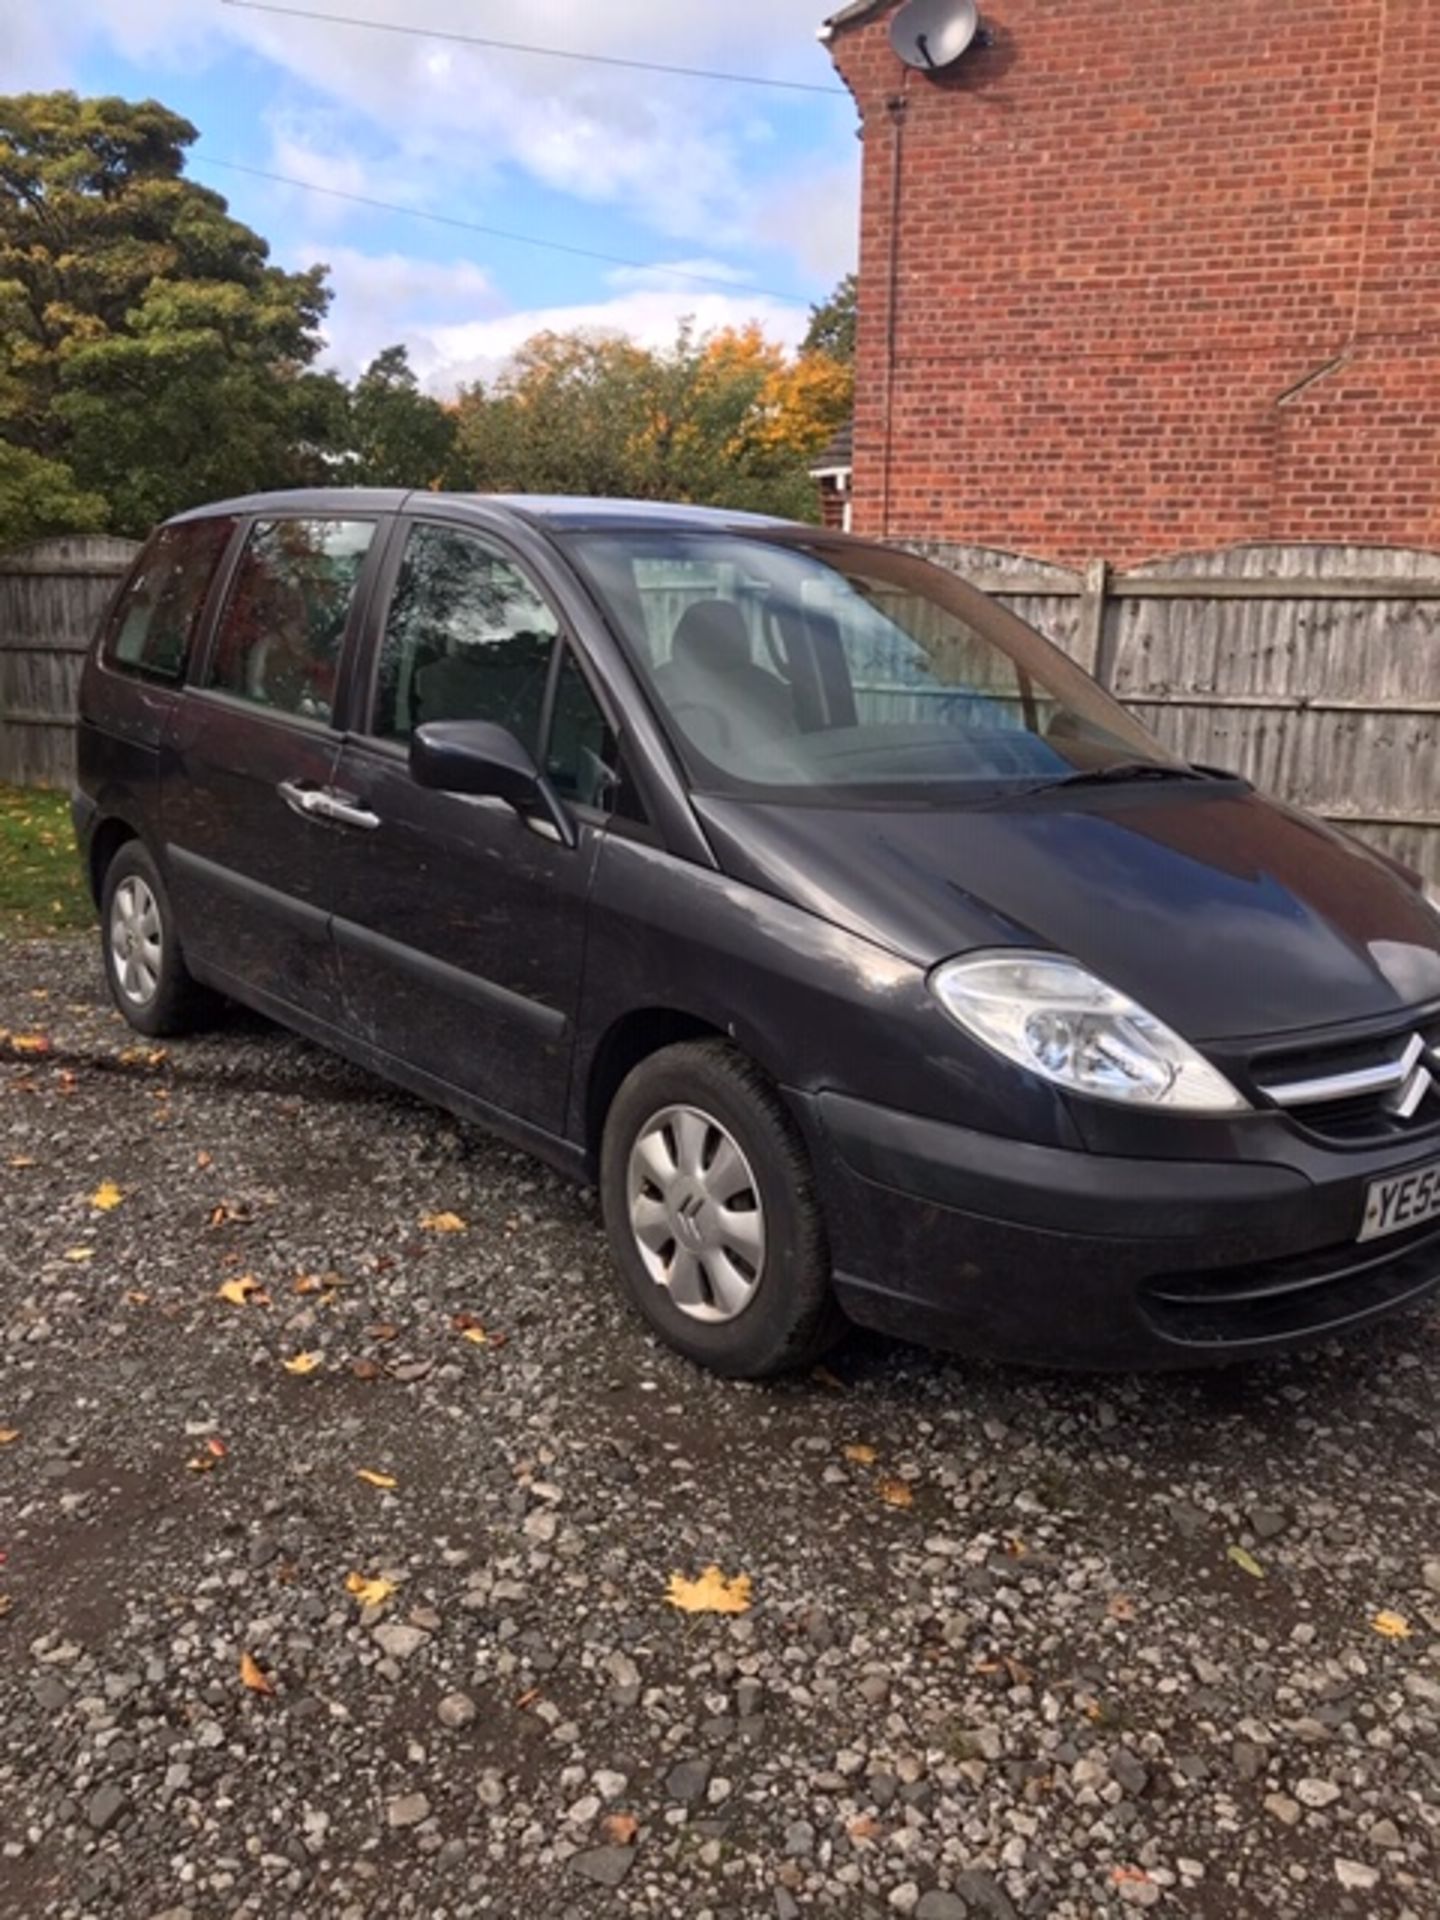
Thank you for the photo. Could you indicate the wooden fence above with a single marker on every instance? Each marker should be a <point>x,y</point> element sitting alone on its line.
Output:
<point>1313,670</point>
<point>51,597</point>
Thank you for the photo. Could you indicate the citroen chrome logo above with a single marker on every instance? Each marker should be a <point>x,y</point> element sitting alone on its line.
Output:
<point>1416,1071</point>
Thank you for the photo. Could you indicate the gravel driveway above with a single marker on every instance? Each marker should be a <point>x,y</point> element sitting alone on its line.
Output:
<point>1018,1644</point>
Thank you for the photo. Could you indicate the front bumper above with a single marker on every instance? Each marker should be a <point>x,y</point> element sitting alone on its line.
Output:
<point>1011,1251</point>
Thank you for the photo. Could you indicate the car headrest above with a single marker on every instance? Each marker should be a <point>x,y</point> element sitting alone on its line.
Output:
<point>711,635</point>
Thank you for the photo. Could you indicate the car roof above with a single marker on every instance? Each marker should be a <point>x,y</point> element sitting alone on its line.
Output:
<point>557,511</point>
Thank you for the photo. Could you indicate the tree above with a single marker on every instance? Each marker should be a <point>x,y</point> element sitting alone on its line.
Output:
<point>832,323</point>
<point>725,420</point>
<point>398,436</point>
<point>147,341</point>
<point>40,497</point>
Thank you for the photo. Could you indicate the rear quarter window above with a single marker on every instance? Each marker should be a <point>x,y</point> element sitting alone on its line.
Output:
<point>154,622</point>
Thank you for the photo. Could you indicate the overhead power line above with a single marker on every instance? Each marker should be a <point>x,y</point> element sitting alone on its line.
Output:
<point>737,287</point>
<point>542,53</point>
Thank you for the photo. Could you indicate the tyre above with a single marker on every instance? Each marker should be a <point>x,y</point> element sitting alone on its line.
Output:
<point>711,1213</point>
<point>144,965</point>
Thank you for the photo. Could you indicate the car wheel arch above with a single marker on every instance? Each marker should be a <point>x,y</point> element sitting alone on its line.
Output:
<point>636,1036</point>
<point>110,835</point>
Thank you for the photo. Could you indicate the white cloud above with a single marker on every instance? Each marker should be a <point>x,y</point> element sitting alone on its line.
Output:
<point>676,153</point>
<point>457,328</point>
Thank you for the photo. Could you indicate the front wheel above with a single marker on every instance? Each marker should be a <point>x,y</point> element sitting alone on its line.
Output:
<point>712,1216</point>
<point>149,981</point>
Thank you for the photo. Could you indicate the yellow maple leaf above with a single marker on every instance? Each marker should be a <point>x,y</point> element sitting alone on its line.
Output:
<point>1393,1626</point>
<point>861,1455</point>
<point>245,1291</point>
<point>713,1592</point>
<point>303,1363</point>
<point>106,1197</point>
<point>385,1481</point>
<point>443,1223</point>
<point>897,1493</point>
<point>253,1676</point>
<point>30,1043</point>
<point>477,1336</point>
<point>370,1593</point>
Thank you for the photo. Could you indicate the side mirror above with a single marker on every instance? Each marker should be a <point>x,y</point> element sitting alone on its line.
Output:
<point>478,757</point>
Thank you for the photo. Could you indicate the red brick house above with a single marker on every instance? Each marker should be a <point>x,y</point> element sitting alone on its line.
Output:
<point>1143,278</point>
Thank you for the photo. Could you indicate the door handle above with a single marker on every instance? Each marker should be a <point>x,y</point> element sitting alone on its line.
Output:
<point>302,800</point>
<point>348,812</point>
<point>322,803</point>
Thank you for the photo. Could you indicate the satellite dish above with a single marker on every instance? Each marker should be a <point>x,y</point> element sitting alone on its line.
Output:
<point>932,34</point>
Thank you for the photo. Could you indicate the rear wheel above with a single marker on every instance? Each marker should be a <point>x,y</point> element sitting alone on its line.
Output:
<point>712,1216</point>
<point>149,981</point>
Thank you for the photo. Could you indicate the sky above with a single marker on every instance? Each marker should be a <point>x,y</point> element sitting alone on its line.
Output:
<point>753,188</point>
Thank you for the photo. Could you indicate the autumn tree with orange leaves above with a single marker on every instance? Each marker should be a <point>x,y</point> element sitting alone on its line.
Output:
<point>725,419</point>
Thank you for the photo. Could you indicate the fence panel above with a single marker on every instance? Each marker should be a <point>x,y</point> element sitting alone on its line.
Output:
<point>52,595</point>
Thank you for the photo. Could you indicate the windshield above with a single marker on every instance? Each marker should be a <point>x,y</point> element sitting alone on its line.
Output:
<point>823,669</point>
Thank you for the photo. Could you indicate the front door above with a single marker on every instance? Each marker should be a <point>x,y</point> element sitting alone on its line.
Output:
<point>460,927</point>
<point>253,753</point>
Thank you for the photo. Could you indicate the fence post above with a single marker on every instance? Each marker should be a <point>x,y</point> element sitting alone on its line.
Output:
<point>1090,637</point>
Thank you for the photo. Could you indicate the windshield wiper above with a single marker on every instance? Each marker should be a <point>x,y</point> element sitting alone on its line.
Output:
<point>1125,770</point>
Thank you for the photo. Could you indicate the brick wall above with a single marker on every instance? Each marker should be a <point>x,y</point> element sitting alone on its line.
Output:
<point>1129,239</point>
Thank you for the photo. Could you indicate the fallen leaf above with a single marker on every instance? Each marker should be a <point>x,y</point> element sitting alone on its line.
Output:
<point>713,1592</point>
<point>620,1829</point>
<point>823,1377</point>
<point>29,1043</point>
<point>528,1698</point>
<point>1392,1626</point>
<point>865,1827</point>
<point>1015,1547</point>
<point>897,1493</point>
<point>79,1254</point>
<point>19,1160</point>
<point>370,1593</point>
<point>443,1223</point>
<point>217,1446</point>
<point>385,1481</point>
<point>862,1455</point>
<point>1246,1562</point>
<point>303,1363</point>
<point>8,1436</point>
<point>204,1159</point>
<point>309,1283</point>
<point>252,1676</point>
<point>223,1214</point>
<point>135,1298</point>
<point>5,1604</point>
<point>1121,1607</point>
<point>477,1336</point>
<point>246,1291</point>
<point>200,1463</point>
<point>366,1369</point>
<point>1130,1877</point>
<point>106,1197</point>
<point>384,1331</point>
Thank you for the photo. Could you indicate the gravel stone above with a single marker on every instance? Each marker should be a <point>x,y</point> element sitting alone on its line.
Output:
<point>105,1806</point>
<point>1356,1876</point>
<point>456,1710</point>
<point>688,1780</point>
<point>408,1810</point>
<point>939,1905</point>
<point>606,1866</point>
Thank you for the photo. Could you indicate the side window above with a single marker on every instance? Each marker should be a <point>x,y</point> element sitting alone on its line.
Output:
<point>152,626</point>
<point>583,758</point>
<point>284,623</point>
<point>468,636</point>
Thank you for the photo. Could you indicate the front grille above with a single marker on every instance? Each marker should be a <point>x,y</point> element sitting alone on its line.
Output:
<point>1358,1091</point>
<point>1304,1294</point>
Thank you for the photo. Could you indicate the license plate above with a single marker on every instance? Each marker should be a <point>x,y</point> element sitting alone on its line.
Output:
<point>1404,1200</point>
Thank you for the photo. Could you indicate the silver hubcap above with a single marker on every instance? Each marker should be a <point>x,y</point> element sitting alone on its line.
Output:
<point>696,1215</point>
<point>135,940</point>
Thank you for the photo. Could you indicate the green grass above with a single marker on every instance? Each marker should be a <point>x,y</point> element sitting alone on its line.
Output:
<point>41,886</point>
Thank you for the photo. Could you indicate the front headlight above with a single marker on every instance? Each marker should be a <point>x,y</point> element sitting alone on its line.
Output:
<point>1053,1017</point>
